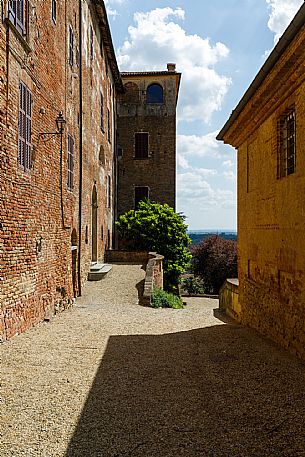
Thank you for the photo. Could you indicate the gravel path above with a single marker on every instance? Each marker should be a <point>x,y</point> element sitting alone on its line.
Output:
<point>110,378</point>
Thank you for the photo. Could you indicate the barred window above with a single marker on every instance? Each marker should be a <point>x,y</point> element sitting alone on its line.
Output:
<point>287,144</point>
<point>54,11</point>
<point>102,114</point>
<point>70,161</point>
<point>141,145</point>
<point>16,14</point>
<point>25,127</point>
<point>71,46</point>
<point>140,193</point>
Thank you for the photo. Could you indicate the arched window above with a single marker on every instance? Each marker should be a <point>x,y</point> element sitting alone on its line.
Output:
<point>154,94</point>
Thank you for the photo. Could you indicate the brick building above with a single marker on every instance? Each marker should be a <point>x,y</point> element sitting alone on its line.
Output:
<point>147,138</point>
<point>268,129</point>
<point>58,181</point>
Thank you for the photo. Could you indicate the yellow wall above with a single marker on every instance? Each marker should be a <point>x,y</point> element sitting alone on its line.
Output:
<point>271,232</point>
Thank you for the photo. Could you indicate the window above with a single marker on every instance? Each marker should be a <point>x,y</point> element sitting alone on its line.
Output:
<point>91,42</point>
<point>287,144</point>
<point>54,10</point>
<point>102,113</point>
<point>71,46</point>
<point>25,127</point>
<point>141,145</point>
<point>140,193</point>
<point>154,94</point>
<point>109,127</point>
<point>70,161</point>
<point>16,14</point>
<point>109,192</point>
<point>77,56</point>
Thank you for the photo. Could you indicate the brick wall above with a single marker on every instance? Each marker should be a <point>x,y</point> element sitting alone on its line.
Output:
<point>158,171</point>
<point>38,213</point>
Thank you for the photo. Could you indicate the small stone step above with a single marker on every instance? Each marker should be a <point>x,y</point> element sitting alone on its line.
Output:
<point>98,271</point>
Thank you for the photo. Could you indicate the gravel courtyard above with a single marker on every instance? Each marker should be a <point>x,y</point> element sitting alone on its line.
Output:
<point>110,378</point>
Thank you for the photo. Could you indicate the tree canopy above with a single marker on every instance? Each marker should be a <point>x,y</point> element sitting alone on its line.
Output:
<point>158,228</point>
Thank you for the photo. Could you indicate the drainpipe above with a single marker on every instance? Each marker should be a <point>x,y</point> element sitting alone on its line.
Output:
<point>80,149</point>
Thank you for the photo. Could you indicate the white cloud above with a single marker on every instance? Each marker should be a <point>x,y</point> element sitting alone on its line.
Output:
<point>109,6</point>
<point>199,146</point>
<point>228,163</point>
<point>156,39</point>
<point>229,175</point>
<point>281,14</point>
<point>193,186</point>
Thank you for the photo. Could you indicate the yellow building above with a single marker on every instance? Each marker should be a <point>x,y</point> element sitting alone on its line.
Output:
<point>268,130</point>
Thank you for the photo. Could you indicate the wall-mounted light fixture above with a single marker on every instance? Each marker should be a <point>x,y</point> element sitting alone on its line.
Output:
<point>60,124</point>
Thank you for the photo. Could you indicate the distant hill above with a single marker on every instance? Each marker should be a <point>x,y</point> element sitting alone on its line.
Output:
<point>196,237</point>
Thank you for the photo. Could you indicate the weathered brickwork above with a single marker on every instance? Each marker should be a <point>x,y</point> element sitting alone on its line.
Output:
<point>137,114</point>
<point>271,208</point>
<point>39,215</point>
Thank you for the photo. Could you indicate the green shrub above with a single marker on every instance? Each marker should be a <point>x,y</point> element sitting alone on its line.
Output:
<point>162,299</point>
<point>193,285</point>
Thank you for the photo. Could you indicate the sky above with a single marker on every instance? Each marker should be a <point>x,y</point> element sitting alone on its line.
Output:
<point>218,46</point>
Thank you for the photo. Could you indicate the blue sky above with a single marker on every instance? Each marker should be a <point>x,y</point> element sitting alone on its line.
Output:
<point>219,46</point>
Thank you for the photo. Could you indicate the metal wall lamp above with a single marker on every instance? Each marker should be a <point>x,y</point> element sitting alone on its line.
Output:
<point>60,124</point>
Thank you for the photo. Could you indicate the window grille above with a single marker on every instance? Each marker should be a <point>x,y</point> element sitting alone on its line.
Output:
<point>70,161</point>
<point>140,193</point>
<point>25,127</point>
<point>141,145</point>
<point>71,46</point>
<point>16,14</point>
<point>287,144</point>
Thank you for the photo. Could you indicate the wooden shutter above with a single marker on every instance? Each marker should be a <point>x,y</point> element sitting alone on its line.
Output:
<point>12,10</point>
<point>140,193</point>
<point>20,23</point>
<point>141,145</point>
<point>102,113</point>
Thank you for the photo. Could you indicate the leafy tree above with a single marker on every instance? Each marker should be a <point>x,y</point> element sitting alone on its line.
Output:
<point>158,228</point>
<point>215,260</point>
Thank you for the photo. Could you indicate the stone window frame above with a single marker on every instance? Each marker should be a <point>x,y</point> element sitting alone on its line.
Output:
<point>286,150</point>
<point>137,201</point>
<point>109,125</point>
<point>25,127</point>
<point>138,153</point>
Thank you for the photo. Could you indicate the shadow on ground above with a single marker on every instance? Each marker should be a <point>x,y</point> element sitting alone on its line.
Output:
<point>218,391</point>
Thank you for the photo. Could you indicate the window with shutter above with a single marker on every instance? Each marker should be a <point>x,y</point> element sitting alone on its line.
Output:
<point>16,14</point>
<point>287,144</point>
<point>71,46</point>
<point>25,127</point>
<point>140,193</point>
<point>141,145</point>
<point>109,192</point>
<point>70,161</point>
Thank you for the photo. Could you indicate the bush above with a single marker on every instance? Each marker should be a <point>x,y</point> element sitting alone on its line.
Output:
<point>215,260</point>
<point>156,227</point>
<point>193,285</point>
<point>162,299</point>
